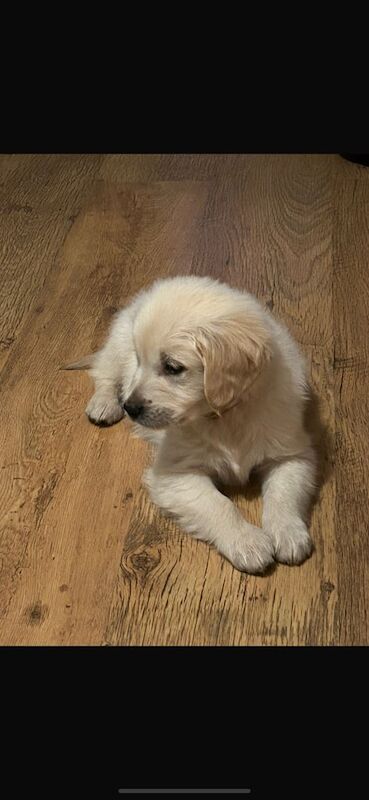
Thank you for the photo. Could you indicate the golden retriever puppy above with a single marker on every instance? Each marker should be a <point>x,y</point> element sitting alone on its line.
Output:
<point>219,386</point>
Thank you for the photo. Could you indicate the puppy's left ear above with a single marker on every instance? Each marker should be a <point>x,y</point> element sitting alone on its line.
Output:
<point>233,351</point>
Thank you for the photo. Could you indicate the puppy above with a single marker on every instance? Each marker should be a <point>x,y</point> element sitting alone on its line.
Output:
<point>219,387</point>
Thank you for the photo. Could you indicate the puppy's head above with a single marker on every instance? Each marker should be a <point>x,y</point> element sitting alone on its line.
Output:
<point>196,355</point>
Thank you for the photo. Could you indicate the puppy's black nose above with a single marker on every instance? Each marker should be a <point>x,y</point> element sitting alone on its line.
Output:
<point>133,410</point>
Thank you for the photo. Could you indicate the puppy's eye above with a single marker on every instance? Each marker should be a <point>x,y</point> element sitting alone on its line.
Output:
<point>171,368</point>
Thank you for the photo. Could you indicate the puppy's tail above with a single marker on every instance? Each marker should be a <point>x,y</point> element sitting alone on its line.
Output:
<point>86,362</point>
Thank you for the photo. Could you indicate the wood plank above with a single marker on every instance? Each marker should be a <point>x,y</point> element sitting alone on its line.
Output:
<point>39,200</point>
<point>67,487</point>
<point>351,393</point>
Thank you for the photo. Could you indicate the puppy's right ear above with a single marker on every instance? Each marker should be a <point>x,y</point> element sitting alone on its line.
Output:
<point>86,362</point>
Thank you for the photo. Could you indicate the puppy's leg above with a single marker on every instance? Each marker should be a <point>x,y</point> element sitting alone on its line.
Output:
<point>287,490</point>
<point>113,367</point>
<point>212,517</point>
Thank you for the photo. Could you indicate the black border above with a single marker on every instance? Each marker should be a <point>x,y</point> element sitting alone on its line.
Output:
<point>84,721</point>
<point>225,112</point>
<point>245,81</point>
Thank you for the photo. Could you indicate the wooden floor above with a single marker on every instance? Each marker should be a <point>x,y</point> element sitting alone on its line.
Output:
<point>85,559</point>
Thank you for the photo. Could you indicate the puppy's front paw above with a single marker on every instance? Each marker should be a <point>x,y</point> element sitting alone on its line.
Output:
<point>103,410</point>
<point>292,542</point>
<point>252,551</point>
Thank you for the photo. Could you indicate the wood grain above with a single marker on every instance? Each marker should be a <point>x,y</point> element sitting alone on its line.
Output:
<point>39,200</point>
<point>84,556</point>
<point>64,515</point>
<point>351,391</point>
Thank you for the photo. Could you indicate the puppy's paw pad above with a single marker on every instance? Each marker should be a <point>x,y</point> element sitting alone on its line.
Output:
<point>103,411</point>
<point>293,544</point>
<point>253,552</point>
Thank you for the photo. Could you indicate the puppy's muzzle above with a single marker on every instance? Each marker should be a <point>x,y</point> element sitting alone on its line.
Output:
<point>134,410</point>
<point>142,412</point>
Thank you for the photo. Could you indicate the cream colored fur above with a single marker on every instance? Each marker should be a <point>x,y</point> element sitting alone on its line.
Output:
<point>238,405</point>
